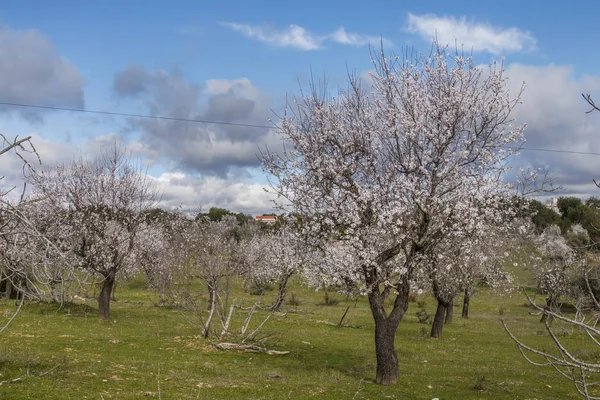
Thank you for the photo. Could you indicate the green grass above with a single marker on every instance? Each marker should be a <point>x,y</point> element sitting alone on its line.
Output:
<point>144,345</point>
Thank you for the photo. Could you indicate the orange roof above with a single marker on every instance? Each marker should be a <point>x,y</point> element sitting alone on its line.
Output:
<point>266,217</point>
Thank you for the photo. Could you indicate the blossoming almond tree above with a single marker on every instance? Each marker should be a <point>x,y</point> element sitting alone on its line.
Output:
<point>211,260</point>
<point>458,264</point>
<point>559,270</point>
<point>97,210</point>
<point>394,169</point>
<point>15,232</point>
<point>275,256</point>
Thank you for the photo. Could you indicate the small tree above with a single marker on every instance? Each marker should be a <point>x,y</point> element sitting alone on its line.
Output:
<point>16,231</point>
<point>275,256</point>
<point>211,261</point>
<point>558,269</point>
<point>392,170</point>
<point>96,209</point>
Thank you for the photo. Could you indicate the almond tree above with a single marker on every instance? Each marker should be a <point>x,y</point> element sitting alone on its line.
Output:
<point>95,209</point>
<point>211,259</point>
<point>483,264</point>
<point>559,270</point>
<point>458,265</point>
<point>16,232</point>
<point>15,229</point>
<point>163,248</point>
<point>275,256</point>
<point>393,170</point>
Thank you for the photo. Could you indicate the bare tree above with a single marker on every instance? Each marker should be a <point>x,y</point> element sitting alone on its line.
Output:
<point>95,210</point>
<point>391,171</point>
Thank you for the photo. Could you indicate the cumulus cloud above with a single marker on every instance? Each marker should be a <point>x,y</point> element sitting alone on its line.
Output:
<point>295,36</point>
<point>189,191</point>
<point>476,36</point>
<point>33,72</point>
<point>210,149</point>
<point>556,119</point>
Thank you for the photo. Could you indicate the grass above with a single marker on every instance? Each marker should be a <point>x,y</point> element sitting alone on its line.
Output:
<point>146,351</point>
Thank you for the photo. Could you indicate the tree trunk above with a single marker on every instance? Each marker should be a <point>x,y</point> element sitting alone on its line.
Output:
<point>387,359</point>
<point>281,294</point>
<point>212,292</point>
<point>438,321</point>
<point>449,312</point>
<point>550,303</point>
<point>466,301</point>
<point>8,289</point>
<point>105,295</point>
<point>54,293</point>
<point>385,332</point>
<point>213,302</point>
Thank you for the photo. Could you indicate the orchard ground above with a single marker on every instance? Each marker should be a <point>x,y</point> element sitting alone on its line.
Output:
<point>147,351</point>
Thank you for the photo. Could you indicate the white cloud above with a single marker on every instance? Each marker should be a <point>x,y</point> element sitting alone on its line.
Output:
<point>300,38</point>
<point>192,193</point>
<point>294,36</point>
<point>241,86</point>
<point>208,149</point>
<point>355,39</point>
<point>476,36</point>
<point>32,71</point>
<point>556,119</point>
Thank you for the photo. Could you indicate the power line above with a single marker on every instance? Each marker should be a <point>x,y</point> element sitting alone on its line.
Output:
<point>554,150</point>
<point>204,121</point>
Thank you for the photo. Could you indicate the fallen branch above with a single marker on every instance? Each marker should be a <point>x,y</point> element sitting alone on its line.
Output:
<point>11,381</point>
<point>38,376</point>
<point>340,326</point>
<point>249,348</point>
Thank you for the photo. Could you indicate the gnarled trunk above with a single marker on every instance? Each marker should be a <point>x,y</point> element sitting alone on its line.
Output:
<point>449,312</point>
<point>438,320</point>
<point>387,359</point>
<point>385,332</point>
<point>466,301</point>
<point>105,295</point>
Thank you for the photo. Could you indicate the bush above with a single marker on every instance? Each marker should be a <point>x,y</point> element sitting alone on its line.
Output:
<point>260,289</point>
<point>328,300</point>
<point>422,314</point>
<point>292,300</point>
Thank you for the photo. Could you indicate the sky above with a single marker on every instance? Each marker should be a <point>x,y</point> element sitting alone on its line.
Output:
<point>238,61</point>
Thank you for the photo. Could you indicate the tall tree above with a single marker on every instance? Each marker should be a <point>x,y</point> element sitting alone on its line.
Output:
<point>393,170</point>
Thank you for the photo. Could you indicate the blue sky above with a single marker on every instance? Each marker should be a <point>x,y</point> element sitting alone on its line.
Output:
<point>236,61</point>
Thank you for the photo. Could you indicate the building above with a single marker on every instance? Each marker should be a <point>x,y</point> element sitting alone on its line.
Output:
<point>553,204</point>
<point>267,219</point>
